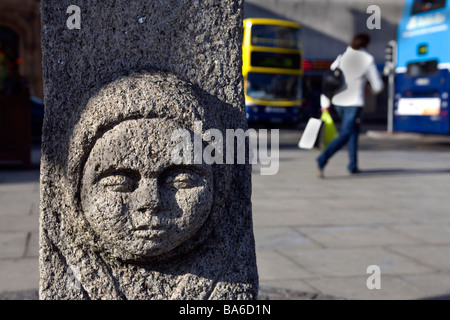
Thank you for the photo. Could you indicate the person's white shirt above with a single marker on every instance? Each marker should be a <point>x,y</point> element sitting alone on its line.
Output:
<point>358,67</point>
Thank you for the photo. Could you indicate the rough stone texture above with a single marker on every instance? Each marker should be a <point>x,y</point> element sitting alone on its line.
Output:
<point>119,219</point>
<point>263,294</point>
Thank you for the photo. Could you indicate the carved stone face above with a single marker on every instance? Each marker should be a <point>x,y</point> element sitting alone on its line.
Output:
<point>134,197</point>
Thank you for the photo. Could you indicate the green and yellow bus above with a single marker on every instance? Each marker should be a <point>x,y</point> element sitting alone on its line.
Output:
<point>272,70</point>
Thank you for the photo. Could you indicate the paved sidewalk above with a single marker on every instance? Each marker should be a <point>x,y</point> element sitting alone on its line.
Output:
<point>320,236</point>
<point>19,230</point>
<point>315,238</point>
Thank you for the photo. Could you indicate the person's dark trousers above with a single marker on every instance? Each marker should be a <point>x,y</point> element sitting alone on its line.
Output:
<point>350,127</point>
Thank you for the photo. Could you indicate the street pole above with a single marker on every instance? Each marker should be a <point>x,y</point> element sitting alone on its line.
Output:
<point>391,93</point>
<point>390,63</point>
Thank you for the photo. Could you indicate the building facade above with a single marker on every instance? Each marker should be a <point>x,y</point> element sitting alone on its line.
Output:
<point>329,25</point>
<point>20,40</point>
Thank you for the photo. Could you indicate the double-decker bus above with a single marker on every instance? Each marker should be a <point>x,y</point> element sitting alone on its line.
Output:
<point>272,70</point>
<point>423,68</point>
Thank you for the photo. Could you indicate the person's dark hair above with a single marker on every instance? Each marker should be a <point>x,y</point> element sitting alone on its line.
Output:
<point>359,41</point>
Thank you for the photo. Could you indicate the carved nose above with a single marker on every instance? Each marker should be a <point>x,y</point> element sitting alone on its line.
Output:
<point>147,196</point>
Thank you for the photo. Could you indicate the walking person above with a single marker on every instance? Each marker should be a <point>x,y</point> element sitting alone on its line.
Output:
<point>358,67</point>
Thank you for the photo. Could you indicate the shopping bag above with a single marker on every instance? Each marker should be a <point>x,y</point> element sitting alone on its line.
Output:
<point>329,130</point>
<point>312,135</point>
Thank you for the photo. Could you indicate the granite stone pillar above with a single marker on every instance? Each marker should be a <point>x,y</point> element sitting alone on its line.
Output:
<point>121,216</point>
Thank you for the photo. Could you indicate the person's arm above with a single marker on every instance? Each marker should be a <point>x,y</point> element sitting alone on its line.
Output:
<point>336,62</point>
<point>372,74</point>
<point>325,103</point>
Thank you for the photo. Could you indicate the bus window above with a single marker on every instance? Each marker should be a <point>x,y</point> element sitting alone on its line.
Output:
<point>422,68</point>
<point>275,60</point>
<point>273,86</point>
<point>275,36</point>
<point>420,6</point>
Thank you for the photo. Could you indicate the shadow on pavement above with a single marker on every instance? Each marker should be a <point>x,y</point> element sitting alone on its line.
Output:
<point>390,172</point>
<point>442,297</point>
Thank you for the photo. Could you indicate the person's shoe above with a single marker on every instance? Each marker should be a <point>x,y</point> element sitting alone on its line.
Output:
<point>319,172</point>
<point>356,171</point>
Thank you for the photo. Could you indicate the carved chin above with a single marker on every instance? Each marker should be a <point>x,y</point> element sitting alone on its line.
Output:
<point>152,244</point>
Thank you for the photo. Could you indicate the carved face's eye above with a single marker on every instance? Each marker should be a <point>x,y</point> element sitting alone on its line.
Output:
<point>183,179</point>
<point>119,182</point>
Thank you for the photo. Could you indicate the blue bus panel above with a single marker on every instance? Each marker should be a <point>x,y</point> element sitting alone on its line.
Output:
<point>422,71</point>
